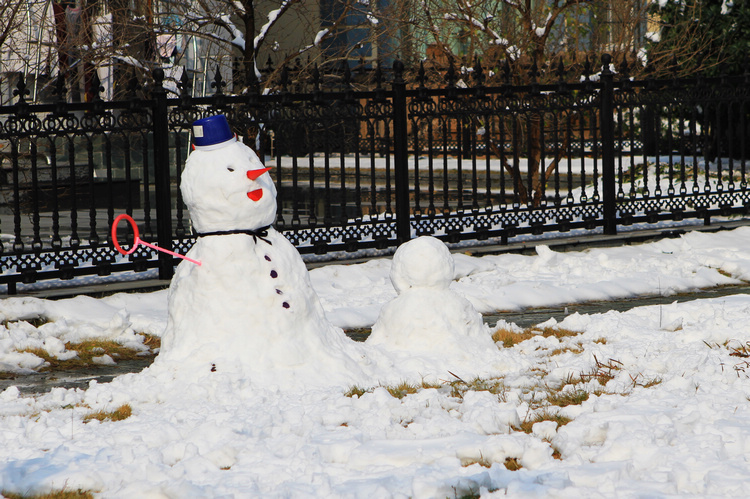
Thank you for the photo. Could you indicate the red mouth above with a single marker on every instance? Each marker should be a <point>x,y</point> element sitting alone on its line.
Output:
<point>255,195</point>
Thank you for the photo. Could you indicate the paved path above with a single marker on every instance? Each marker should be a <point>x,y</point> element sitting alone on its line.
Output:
<point>530,317</point>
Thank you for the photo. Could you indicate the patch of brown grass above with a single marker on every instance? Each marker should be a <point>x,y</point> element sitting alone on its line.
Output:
<point>544,416</point>
<point>512,464</point>
<point>482,461</point>
<point>510,338</point>
<point>554,331</point>
<point>355,391</point>
<point>640,380</point>
<point>398,391</point>
<point>60,494</point>
<point>119,414</point>
<point>34,321</point>
<point>739,350</point>
<point>603,371</point>
<point>402,390</point>
<point>495,386</point>
<point>568,397</point>
<point>151,341</point>
<point>88,349</point>
<point>572,349</point>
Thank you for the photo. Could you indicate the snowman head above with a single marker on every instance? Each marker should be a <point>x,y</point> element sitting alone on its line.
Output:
<point>227,187</point>
<point>424,262</point>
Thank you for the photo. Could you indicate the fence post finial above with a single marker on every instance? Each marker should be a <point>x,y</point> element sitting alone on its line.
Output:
<point>421,75</point>
<point>450,76</point>
<point>507,71</point>
<point>347,74</point>
<point>398,71</point>
<point>21,90</point>
<point>218,82</point>
<point>316,78</point>
<point>186,87</point>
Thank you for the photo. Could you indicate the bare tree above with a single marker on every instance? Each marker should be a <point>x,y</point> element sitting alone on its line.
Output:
<point>249,32</point>
<point>697,35</point>
<point>10,20</point>
<point>535,37</point>
<point>23,41</point>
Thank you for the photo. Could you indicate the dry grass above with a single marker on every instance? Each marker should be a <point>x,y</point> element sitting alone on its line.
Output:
<point>397,391</point>
<point>60,494</point>
<point>482,461</point>
<point>740,350</point>
<point>742,368</point>
<point>572,349</point>
<point>495,386</point>
<point>509,338</point>
<point>89,349</point>
<point>554,331</point>
<point>544,415</point>
<point>512,464</point>
<point>603,371</point>
<point>151,341</point>
<point>568,397</point>
<point>355,391</point>
<point>34,321</point>
<point>402,390</point>
<point>119,414</point>
<point>640,380</point>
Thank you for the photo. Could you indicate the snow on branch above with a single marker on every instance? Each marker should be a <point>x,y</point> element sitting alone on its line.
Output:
<point>497,39</point>
<point>273,17</point>
<point>320,37</point>
<point>238,39</point>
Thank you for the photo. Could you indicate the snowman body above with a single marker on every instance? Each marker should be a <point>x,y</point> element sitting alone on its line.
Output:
<point>249,308</point>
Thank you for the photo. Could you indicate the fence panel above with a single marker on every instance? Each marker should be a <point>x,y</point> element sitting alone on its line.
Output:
<point>692,163</point>
<point>369,169</point>
<point>67,169</point>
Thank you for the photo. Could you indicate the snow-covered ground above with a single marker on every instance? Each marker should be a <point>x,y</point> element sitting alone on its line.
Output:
<point>667,409</point>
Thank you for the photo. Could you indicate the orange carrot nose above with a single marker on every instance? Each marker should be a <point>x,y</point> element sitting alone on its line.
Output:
<point>254,174</point>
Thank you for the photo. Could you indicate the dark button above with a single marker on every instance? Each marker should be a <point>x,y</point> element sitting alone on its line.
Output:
<point>274,274</point>
<point>268,258</point>
<point>285,305</point>
<point>279,292</point>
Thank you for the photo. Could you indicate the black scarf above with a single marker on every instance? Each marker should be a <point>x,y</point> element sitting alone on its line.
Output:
<point>261,233</point>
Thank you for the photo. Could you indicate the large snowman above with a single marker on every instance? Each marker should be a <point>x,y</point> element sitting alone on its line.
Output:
<point>248,309</point>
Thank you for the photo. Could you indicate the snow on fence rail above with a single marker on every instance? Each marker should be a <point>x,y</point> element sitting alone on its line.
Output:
<point>370,169</point>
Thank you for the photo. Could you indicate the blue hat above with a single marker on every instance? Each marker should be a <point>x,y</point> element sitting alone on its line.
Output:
<point>212,133</point>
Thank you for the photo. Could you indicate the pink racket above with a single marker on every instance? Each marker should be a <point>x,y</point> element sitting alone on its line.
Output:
<point>137,240</point>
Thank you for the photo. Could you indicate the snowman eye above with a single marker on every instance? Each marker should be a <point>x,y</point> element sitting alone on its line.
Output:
<point>230,168</point>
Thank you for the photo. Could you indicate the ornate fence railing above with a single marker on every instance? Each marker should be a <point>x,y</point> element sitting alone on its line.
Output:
<point>371,169</point>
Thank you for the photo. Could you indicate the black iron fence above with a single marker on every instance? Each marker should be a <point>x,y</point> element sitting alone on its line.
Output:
<point>371,169</point>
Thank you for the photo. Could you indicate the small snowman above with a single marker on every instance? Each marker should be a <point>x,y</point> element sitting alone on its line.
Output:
<point>427,317</point>
<point>248,308</point>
